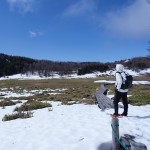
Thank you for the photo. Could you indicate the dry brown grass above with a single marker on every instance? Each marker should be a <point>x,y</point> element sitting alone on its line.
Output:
<point>78,90</point>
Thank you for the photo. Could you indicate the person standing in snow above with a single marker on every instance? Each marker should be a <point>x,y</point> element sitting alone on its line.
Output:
<point>120,93</point>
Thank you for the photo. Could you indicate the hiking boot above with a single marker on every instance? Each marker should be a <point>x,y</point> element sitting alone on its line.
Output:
<point>116,115</point>
<point>123,114</point>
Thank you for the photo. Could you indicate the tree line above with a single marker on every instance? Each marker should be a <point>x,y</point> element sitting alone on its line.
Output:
<point>10,65</point>
<point>137,63</point>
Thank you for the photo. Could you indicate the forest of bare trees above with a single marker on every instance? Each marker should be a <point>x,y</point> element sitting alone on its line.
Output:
<point>10,65</point>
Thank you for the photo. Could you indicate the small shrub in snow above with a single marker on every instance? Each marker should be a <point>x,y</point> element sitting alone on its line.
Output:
<point>6,103</point>
<point>13,116</point>
<point>32,106</point>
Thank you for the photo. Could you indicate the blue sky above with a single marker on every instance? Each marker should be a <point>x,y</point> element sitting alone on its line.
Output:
<point>75,30</point>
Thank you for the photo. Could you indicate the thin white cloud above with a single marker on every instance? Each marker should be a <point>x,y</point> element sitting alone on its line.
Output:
<point>80,7</point>
<point>132,21</point>
<point>34,34</point>
<point>23,6</point>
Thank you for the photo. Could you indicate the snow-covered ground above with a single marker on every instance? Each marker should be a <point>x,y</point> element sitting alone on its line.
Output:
<point>56,76</point>
<point>134,82</point>
<point>7,94</point>
<point>69,127</point>
<point>75,127</point>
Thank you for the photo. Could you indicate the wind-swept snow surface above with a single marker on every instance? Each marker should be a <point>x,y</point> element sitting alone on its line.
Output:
<point>75,127</point>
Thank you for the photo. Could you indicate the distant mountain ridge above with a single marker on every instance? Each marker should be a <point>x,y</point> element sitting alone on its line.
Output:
<point>10,65</point>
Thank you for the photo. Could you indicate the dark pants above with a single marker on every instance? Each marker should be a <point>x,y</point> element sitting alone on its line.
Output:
<point>123,96</point>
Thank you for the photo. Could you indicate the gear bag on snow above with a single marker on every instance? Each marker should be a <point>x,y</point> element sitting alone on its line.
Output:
<point>126,84</point>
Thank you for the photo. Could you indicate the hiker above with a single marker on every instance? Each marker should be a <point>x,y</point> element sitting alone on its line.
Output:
<point>120,93</point>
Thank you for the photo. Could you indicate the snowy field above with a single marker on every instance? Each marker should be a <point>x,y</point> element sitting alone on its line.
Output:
<point>113,82</point>
<point>72,76</point>
<point>69,127</point>
<point>75,127</point>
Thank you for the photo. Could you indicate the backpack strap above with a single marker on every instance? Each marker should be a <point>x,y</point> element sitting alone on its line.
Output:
<point>121,76</point>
